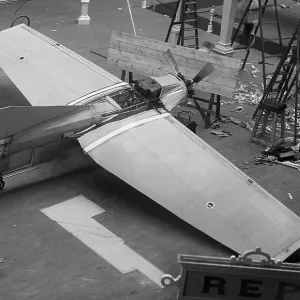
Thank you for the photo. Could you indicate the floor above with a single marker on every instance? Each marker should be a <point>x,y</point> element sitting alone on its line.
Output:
<point>41,260</point>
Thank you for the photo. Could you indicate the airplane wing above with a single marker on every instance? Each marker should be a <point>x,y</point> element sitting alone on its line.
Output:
<point>47,73</point>
<point>164,160</point>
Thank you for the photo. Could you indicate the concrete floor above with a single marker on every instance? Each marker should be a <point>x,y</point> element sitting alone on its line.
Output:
<point>43,261</point>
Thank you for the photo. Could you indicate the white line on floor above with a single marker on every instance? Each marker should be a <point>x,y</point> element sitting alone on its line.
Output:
<point>75,215</point>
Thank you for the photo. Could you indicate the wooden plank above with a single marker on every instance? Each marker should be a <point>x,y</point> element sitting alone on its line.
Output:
<point>177,50</point>
<point>147,71</point>
<point>182,61</point>
<point>164,65</point>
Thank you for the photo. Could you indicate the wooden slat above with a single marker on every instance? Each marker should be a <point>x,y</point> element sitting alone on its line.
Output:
<point>145,56</point>
<point>148,71</point>
<point>164,65</point>
<point>182,61</point>
<point>177,50</point>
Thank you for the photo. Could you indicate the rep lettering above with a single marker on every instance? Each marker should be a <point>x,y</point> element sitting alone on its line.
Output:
<point>214,282</point>
<point>251,288</point>
<point>287,288</point>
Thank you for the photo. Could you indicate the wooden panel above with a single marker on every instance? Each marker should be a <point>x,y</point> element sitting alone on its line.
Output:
<point>164,65</point>
<point>145,56</point>
<point>148,71</point>
<point>181,60</point>
<point>179,50</point>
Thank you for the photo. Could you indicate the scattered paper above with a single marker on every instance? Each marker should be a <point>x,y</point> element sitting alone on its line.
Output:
<point>238,109</point>
<point>221,133</point>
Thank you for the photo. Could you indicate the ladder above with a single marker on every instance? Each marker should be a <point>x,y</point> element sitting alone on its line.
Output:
<point>188,21</point>
<point>276,94</point>
<point>260,26</point>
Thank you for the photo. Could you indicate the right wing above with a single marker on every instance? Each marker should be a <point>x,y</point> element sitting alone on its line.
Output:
<point>164,160</point>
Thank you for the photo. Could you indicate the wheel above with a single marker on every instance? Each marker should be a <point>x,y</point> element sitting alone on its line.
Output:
<point>21,20</point>
<point>2,184</point>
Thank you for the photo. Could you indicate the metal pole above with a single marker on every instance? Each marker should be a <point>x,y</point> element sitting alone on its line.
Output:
<point>297,87</point>
<point>131,17</point>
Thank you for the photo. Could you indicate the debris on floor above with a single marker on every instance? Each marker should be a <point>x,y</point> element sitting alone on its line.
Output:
<point>285,6</point>
<point>290,117</point>
<point>1,260</point>
<point>223,102</point>
<point>285,154</point>
<point>248,94</point>
<point>264,160</point>
<point>226,119</point>
<point>289,164</point>
<point>290,196</point>
<point>254,71</point>
<point>248,125</point>
<point>238,109</point>
<point>221,133</point>
<point>216,125</point>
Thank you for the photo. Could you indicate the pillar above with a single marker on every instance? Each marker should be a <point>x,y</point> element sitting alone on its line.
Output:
<point>228,17</point>
<point>176,28</point>
<point>84,18</point>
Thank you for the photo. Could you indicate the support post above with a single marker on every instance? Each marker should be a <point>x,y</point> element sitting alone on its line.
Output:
<point>228,16</point>
<point>176,28</point>
<point>84,18</point>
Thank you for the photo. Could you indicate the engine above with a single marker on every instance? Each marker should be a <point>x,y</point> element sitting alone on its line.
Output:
<point>148,89</point>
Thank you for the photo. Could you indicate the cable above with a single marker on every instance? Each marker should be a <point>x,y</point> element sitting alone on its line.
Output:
<point>20,6</point>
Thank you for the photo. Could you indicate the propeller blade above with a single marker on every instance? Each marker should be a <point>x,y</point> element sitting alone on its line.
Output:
<point>207,70</point>
<point>171,60</point>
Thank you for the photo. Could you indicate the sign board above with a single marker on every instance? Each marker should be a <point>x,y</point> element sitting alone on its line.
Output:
<point>235,278</point>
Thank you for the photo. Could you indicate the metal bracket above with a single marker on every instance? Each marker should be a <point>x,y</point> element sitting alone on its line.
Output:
<point>168,280</point>
<point>244,259</point>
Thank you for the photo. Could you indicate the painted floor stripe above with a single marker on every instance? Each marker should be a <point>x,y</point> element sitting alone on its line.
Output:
<point>75,215</point>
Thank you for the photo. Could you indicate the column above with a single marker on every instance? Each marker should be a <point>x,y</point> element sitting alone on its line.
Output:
<point>228,17</point>
<point>84,18</point>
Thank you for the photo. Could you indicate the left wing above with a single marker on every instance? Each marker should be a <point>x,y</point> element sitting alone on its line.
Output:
<point>47,73</point>
<point>164,160</point>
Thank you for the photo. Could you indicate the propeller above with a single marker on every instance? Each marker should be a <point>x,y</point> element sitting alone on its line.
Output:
<point>204,72</point>
<point>171,60</point>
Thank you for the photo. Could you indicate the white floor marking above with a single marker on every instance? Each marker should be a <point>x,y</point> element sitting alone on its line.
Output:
<point>75,215</point>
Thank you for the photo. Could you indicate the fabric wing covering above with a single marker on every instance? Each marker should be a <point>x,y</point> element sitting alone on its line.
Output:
<point>47,73</point>
<point>164,160</point>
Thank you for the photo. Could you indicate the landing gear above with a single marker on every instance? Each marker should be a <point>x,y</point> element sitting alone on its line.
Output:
<point>2,183</point>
